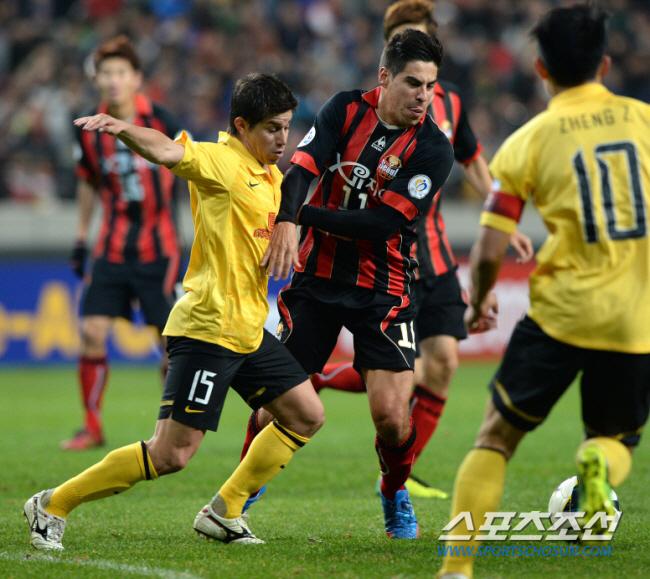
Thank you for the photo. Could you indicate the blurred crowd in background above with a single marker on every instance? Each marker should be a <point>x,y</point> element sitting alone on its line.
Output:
<point>193,51</point>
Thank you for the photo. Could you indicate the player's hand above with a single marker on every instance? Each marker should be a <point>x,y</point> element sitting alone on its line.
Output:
<point>78,258</point>
<point>523,246</point>
<point>483,318</point>
<point>102,123</point>
<point>282,252</point>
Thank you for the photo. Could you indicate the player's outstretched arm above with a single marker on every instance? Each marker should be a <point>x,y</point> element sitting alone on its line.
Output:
<point>149,143</point>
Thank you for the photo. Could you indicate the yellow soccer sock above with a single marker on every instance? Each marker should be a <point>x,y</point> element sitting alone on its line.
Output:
<point>269,453</point>
<point>619,459</point>
<point>116,473</point>
<point>477,490</point>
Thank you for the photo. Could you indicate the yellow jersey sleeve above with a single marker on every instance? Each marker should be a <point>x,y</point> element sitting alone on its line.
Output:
<point>513,165</point>
<point>206,164</point>
<point>505,224</point>
<point>513,177</point>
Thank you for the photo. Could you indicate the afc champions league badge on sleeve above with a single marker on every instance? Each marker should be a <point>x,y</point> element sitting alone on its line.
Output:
<point>308,138</point>
<point>419,186</point>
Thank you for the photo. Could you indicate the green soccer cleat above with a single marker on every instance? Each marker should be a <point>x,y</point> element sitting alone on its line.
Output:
<point>594,490</point>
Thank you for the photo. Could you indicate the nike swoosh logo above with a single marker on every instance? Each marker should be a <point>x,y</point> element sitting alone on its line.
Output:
<point>188,409</point>
<point>252,184</point>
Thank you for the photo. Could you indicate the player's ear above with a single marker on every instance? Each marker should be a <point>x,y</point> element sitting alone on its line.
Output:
<point>241,125</point>
<point>605,65</point>
<point>384,76</point>
<point>540,69</point>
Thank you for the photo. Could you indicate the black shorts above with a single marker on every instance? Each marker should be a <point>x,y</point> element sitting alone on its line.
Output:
<point>114,287</point>
<point>200,374</point>
<point>440,307</point>
<point>313,311</point>
<point>537,369</point>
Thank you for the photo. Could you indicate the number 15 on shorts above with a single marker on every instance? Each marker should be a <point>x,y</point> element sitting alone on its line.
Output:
<point>202,377</point>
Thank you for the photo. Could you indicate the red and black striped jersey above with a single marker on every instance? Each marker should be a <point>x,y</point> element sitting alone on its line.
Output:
<point>362,162</point>
<point>432,250</point>
<point>136,195</point>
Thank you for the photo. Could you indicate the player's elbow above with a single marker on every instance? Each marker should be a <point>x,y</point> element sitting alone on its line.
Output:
<point>172,154</point>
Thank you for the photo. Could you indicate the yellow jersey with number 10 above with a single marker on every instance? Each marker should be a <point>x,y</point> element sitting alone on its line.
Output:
<point>585,163</point>
<point>234,203</point>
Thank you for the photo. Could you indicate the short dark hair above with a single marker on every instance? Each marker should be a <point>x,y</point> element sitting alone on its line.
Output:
<point>118,47</point>
<point>410,45</point>
<point>258,96</point>
<point>409,12</point>
<point>572,42</point>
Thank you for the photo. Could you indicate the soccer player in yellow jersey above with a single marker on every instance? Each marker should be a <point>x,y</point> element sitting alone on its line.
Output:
<point>585,164</point>
<point>216,336</point>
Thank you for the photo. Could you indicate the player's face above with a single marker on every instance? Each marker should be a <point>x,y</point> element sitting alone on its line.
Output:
<point>266,140</point>
<point>117,81</point>
<point>406,96</point>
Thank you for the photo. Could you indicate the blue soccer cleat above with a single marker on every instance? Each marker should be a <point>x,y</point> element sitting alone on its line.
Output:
<point>399,516</point>
<point>250,501</point>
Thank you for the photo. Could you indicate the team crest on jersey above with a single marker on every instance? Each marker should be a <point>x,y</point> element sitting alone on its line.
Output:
<point>419,186</point>
<point>379,144</point>
<point>445,127</point>
<point>279,330</point>
<point>308,138</point>
<point>389,166</point>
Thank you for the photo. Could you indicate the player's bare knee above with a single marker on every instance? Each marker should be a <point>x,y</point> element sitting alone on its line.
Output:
<point>390,428</point>
<point>314,419</point>
<point>309,419</point>
<point>437,375</point>
<point>93,333</point>
<point>498,434</point>
<point>169,460</point>
<point>437,372</point>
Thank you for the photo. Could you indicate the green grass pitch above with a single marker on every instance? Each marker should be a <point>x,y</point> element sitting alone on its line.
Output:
<point>320,517</point>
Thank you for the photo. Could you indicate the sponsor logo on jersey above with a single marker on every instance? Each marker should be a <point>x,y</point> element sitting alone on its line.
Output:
<point>308,138</point>
<point>379,144</point>
<point>419,186</point>
<point>266,233</point>
<point>389,166</point>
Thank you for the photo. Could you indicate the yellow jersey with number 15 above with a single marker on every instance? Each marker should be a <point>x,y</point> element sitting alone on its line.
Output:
<point>234,203</point>
<point>585,164</point>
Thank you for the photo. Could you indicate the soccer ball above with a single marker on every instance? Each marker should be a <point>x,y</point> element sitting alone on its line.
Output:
<point>565,498</point>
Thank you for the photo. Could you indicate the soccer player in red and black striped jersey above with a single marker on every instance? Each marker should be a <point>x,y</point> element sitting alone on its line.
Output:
<point>379,159</point>
<point>137,253</point>
<point>441,305</point>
